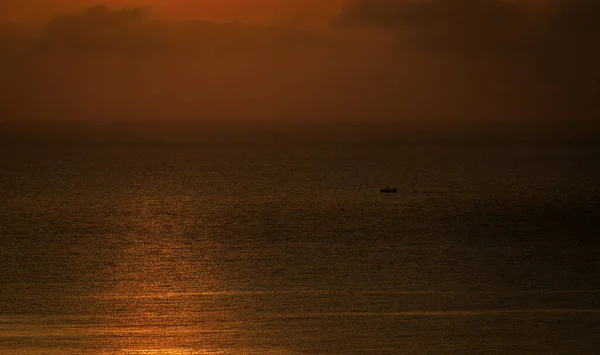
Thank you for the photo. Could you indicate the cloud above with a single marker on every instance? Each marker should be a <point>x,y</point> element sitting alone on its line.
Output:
<point>442,14</point>
<point>484,22</point>
<point>97,28</point>
<point>397,60</point>
<point>255,11</point>
<point>544,49</point>
<point>107,63</point>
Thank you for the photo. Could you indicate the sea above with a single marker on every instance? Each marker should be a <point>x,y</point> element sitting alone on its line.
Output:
<point>271,238</point>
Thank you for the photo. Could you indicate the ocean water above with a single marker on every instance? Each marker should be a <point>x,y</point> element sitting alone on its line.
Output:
<point>242,243</point>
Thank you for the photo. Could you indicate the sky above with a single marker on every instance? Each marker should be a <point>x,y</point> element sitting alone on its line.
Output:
<point>261,11</point>
<point>300,59</point>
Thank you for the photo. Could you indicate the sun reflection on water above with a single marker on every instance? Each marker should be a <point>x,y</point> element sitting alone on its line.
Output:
<point>173,351</point>
<point>165,264</point>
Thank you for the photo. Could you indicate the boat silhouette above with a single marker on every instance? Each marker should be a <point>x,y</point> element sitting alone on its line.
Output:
<point>389,190</point>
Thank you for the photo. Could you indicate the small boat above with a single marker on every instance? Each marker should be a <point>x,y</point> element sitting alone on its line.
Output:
<point>389,190</point>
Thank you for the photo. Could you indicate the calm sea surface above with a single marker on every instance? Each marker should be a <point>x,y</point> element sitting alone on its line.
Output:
<point>254,245</point>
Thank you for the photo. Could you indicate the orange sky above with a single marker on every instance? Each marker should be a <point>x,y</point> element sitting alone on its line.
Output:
<point>223,10</point>
<point>396,59</point>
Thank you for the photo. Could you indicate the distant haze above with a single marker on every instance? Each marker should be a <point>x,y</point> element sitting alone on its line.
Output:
<point>355,60</point>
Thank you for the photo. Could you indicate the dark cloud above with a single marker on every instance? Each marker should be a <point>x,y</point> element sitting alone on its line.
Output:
<point>117,64</point>
<point>448,14</point>
<point>545,59</point>
<point>485,22</point>
<point>449,19</point>
<point>98,29</point>
<point>579,16</point>
<point>453,59</point>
